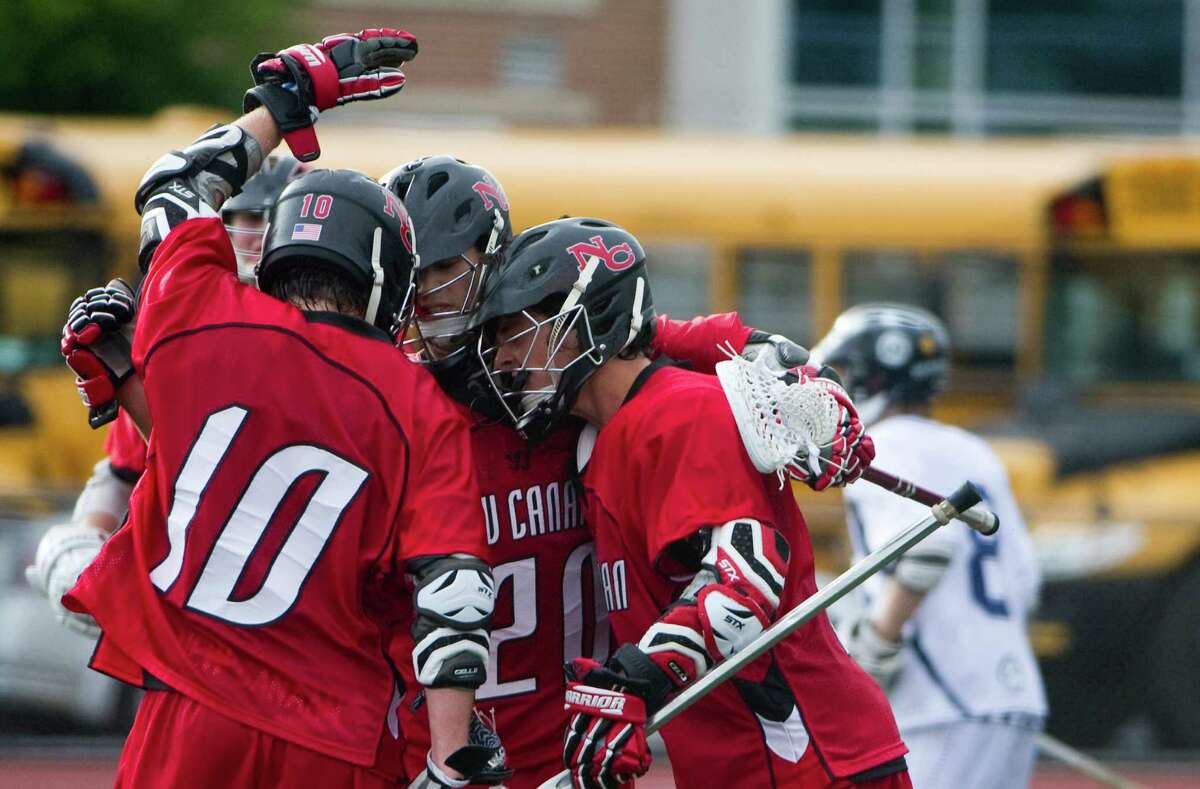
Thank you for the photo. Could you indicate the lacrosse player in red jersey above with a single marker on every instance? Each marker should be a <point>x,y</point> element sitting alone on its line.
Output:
<point>293,537</point>
<point>550,605</point>
<point>697,551</point>
<point>65,550</point>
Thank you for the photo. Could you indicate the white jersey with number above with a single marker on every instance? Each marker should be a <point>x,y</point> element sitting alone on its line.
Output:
<point>966,654</point>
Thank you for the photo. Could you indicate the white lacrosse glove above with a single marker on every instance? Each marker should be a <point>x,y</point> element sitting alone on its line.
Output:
<point>800,423</point>
<point>63,553</point>
<point>878,656</point>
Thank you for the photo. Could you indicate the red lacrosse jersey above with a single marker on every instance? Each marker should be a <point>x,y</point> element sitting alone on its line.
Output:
<point>297,462</point>
<point>549,604</point>
<point>669,463</point>
<point>125,448</point>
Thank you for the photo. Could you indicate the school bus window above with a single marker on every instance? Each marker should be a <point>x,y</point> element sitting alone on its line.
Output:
<point>680,272</point>
<point>39,276</point>
<point>974,292</point>
<point>774,290</point>
<point>1103,325</point>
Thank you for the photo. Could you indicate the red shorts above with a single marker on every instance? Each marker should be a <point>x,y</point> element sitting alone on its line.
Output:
<point>809,773</point>
<point>180,743</point>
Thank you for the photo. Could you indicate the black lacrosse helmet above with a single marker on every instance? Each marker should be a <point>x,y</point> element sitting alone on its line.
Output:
<point>576,275</point>
<point>264,188</point>
<point>456,206</point>
<point>344,219</point>
<point>887,354</point>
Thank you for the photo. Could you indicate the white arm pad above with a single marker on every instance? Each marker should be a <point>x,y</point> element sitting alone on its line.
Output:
<point>746,551</point>
<point>454,600</point>
<point>920,569</point>
<point>104,492</point>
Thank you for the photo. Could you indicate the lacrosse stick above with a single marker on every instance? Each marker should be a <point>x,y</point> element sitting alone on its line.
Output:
<point>783,425</point>
<point>1082,763</point>
<point>939,515</point>
<point>981,520</point>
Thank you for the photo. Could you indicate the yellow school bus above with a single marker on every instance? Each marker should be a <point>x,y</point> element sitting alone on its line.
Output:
<point>1067,270</point>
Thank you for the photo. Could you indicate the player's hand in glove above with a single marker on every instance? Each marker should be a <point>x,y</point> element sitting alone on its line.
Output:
<point>843,454</point>
<point>878,656</point>
<point>482,760</point>
<point>97,342</point>
<point>63,553</point>
<point>779,354</point>
<point>605,743</point>
<point>298,83</point>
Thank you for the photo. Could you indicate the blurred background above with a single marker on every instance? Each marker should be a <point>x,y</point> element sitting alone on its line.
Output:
<point>1027,169</point>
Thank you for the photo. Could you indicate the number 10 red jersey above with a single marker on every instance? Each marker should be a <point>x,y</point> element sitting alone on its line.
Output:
<point>297,462</point>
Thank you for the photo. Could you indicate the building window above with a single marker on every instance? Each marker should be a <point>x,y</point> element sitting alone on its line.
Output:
<point>679,277</point>
<point>775,292</point>
<point>974,292</point>
<point>532,62</point>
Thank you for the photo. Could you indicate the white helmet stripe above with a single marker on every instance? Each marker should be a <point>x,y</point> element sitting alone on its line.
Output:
<point>581,282</point>
<point>635,321</point>
<point>377,285</point>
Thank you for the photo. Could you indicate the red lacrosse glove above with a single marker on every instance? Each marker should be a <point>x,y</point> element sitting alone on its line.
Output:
<point>605,744</point>
<point>97,343</point>
<point>297,83</point>
<point>845,455</point>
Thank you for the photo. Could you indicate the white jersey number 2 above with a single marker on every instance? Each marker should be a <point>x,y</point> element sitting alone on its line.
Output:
<point>523,574</point>
<point>982,550</point>
<point>235,543</point>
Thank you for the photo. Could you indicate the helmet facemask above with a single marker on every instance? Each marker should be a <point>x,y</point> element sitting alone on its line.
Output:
<point>247,230</point>
<point>534,372</point>
<point>443,333</point>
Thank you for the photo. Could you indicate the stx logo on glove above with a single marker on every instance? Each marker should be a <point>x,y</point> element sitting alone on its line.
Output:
<point>597,700</point>
<point>617,258</point>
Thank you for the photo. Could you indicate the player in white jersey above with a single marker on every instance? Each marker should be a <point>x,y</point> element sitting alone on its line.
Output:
<point>944,630</point>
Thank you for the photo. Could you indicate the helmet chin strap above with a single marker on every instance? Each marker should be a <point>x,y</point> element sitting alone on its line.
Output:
<point>635,322</point>
<point>493,241</point>
<point>581,282</point>
<point>377,285</point>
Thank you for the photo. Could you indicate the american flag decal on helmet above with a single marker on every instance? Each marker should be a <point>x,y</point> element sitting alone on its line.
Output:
<point>306,232</point>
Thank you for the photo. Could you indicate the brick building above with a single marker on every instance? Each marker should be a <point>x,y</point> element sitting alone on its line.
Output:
<point>526,62</point>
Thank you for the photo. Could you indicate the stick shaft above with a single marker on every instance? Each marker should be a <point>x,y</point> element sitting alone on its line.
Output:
<point>978,519</point>
<point>1081,762</point>
<point>788,623</point>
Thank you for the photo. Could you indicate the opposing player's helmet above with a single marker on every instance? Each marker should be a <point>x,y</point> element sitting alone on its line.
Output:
<point>245,215</point>
<point>571,278</point>
<point>456,206</point>
<point>887,354</point>
<point>344,220</point>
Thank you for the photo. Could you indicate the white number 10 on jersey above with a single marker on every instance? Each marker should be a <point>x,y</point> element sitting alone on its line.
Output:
<point>228,555</point>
